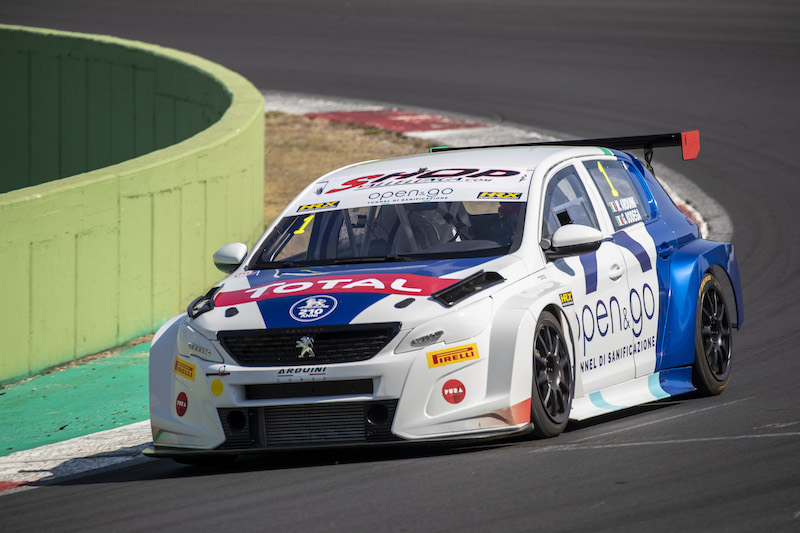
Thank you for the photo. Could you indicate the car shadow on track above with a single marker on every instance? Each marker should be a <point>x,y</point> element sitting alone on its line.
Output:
<point>144,469</point>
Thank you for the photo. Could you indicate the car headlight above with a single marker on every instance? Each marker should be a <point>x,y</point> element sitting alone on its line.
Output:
<point>192,342</point>
<point>450,328</point>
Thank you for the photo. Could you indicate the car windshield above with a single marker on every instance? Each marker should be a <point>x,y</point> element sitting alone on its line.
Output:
<point>394,232</point>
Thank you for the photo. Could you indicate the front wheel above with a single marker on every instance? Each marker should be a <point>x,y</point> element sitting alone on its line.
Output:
<point>551,397</point>
<point>712,354</point>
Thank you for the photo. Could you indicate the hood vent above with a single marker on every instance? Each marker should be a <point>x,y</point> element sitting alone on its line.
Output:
<point>449,296</point>
<point>202,304</point>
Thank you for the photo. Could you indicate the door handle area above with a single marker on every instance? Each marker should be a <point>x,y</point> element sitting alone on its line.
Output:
<point>616,272</point>
<point>665,250</point>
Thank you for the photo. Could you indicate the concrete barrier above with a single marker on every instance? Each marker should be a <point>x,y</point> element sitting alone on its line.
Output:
<point>124,166</point>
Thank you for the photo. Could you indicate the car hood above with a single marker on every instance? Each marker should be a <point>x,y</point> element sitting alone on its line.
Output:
<point>346,294</point>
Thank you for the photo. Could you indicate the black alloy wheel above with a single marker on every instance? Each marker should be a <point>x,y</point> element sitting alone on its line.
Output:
<point>712,364</point>
<point>551,398</point>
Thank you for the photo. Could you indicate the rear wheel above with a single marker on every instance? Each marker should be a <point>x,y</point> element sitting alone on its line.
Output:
<point>551,398</point>
<point>712,354</point>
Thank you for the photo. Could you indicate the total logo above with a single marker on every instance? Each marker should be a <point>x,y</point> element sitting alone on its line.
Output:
<point>408,284</point>
<point>181,404</point>
<point>454,391</point>
<point>313,308</point>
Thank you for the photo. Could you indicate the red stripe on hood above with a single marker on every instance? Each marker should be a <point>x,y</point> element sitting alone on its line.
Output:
<point>407,284</point>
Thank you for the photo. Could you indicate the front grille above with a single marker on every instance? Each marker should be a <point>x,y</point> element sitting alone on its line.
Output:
<point>330,344</point>
<point>314,424</point>
<point>268,391</point>
<point>308,425</point>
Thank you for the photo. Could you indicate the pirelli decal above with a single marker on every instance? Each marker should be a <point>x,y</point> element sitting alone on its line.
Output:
<point>449,356</point>
<point>183,368</point>
<point>566,298</point>
<point>322,205</point>
<point>501,195</point>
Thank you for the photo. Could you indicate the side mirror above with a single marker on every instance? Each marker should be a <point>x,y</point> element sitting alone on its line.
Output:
<point>574,239</point>
<point>229,257</point>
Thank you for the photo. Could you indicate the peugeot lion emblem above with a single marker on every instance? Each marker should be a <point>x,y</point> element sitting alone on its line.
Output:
<point>306,345</point>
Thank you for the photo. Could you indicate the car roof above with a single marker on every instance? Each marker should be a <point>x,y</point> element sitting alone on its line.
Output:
<point>528,157</point>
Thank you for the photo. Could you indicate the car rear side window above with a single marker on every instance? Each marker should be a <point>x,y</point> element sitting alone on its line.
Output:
<point>566,202</point>
<point>622,200</point>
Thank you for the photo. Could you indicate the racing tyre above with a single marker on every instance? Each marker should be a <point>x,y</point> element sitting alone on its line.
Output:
<point>551,398</point>
<point>712,352</point>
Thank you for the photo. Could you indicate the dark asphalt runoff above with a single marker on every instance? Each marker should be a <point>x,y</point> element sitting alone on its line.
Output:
<point>729,68</point>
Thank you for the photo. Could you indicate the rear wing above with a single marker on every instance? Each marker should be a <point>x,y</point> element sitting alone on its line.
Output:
<point>689,141</point>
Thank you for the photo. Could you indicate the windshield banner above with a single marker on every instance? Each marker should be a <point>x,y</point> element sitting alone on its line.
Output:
<point>423,185</point>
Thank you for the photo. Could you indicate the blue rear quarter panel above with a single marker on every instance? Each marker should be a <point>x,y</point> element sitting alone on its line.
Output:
<point>689,264</point>
<point>687,267</point>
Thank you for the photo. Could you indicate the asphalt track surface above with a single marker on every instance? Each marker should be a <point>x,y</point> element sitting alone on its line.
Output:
<point>586,69</point>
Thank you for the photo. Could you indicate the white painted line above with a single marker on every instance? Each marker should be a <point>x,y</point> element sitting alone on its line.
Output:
<point>600,445</point>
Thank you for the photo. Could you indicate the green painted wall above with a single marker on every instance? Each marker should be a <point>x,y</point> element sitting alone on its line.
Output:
<point>164,153</point>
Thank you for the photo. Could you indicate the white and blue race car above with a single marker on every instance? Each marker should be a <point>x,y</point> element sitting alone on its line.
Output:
<point>465,293</point>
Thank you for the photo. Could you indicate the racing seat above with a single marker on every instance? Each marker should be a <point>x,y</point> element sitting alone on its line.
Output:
<point>425,232</point>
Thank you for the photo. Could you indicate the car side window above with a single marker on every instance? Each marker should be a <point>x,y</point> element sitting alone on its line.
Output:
<point>622,200</point>
<point>566,202</point>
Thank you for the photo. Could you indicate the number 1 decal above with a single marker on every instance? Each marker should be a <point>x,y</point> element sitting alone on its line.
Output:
<point>613,190</point>
<point>306,222</point>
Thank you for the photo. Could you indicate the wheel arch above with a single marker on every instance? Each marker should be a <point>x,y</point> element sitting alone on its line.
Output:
<point>688,267</point>
<point>728,292</point>
<point>518,317</point>
<point>566,326</point>
<point>163,350</point>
